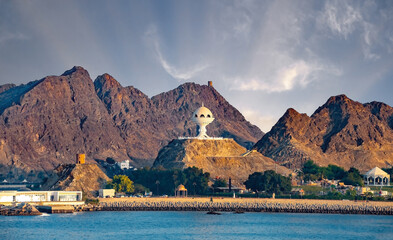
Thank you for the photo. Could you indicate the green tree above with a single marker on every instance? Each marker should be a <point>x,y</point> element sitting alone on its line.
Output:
<point>121,183</point>
<point>311,171</point>
<point>163,181</point>
<point>353,177</point>
<point>350,194</point>
<point>269,182</point>
<point>333,172</point>
<point>254,182</point>
<point>196,179</point>
<point>219,183</point>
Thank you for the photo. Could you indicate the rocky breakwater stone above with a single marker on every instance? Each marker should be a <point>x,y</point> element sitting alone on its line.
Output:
<point>23,209</point>
<point>323,207</point>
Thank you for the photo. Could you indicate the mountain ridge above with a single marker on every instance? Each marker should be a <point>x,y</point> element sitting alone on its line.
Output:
<point>45,122</point>
<point>341,131</point>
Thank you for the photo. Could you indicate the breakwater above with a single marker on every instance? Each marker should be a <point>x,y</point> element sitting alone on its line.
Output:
<point>333,207</point>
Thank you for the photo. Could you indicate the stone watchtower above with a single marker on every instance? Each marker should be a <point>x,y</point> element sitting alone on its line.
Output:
<point>80,158</point>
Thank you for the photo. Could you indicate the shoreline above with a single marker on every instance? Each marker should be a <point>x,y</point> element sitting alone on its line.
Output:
<point>247,205</point>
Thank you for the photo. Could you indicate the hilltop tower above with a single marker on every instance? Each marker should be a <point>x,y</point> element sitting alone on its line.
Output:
<point>80,158</point>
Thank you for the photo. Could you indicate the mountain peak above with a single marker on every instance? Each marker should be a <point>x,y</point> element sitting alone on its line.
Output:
<point>291,113</point>
<point>106,81</point>
<point>75,69</point>
<point>338,99</point>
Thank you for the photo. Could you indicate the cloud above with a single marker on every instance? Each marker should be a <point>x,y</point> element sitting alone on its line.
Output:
<point>341,17</point>
<point>265,123</point>
<point>180,74</point>
<point>286,78</point>
<point>366,21</point>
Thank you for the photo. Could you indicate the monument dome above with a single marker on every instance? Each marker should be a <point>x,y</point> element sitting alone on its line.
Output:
<point>202,117</point>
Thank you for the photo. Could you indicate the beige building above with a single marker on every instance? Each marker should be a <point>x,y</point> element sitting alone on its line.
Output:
<point>103,193</point>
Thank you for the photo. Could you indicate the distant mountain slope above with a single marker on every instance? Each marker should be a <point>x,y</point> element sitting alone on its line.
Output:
<point>342,132</point>
<point>46,122</point>
<point>5,87</point>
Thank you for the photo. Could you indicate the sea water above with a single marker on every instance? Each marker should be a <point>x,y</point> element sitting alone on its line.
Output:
<point>195,225</point>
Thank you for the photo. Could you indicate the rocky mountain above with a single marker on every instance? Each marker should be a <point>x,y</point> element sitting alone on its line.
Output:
<point>88,178</point>
<point>221,158</point>
<point>46,122</point>
<point>147,124</point>
<point>342,132</point>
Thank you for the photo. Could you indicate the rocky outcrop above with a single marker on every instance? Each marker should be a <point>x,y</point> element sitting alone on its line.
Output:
<point>23,209</point>
<point>341,132</point>
<point>221,158</point>
<point>88,178</point>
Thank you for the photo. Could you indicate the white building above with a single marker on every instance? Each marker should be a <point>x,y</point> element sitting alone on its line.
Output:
<point>103,193</point>
<point>124,164</point>
<point>40,196</point>
<point>377,177</point>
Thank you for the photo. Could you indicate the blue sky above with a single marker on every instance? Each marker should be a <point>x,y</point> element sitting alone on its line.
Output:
<point>262,56</point>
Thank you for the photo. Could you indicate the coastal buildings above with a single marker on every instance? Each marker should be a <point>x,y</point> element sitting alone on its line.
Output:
<point>40,196</point>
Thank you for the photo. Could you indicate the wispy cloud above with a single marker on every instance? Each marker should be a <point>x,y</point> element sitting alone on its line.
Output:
<point>341,17</point>
<point>180,74</point>
<point>283,79</point>
<point>359,18</point>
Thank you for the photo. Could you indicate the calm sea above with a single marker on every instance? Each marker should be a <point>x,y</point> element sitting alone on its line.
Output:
<point>195,225</point>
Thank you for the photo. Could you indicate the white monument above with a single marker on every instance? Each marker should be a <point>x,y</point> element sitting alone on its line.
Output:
<point>202,117</point>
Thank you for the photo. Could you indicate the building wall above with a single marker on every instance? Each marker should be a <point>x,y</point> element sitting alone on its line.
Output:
<point>40,196</point>
<point>106,192</point>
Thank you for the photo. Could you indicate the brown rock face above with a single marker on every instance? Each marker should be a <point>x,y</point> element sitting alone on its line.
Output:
<point>221,158</point>
<point>88,178</point>
<point>148,124</point>
<point>342,132</point>
<point>46,122</point>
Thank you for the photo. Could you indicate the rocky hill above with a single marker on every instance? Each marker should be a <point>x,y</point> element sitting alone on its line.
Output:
<point>46,122</point>
<point>342,132</point>
<point>221,158</point>
<point>149,124</point>
<point>88,178</point>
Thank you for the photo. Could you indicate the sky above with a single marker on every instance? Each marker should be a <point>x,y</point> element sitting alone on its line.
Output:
<point>262,56</point>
